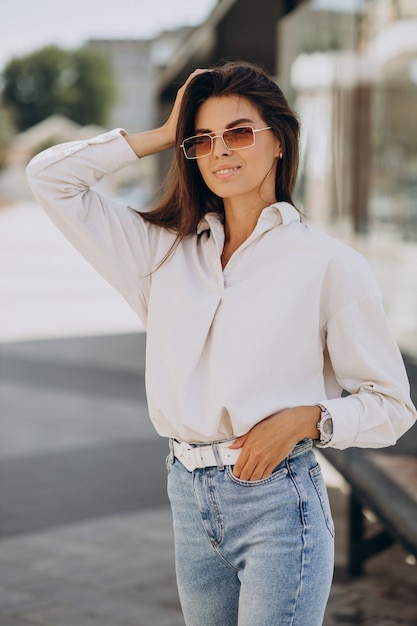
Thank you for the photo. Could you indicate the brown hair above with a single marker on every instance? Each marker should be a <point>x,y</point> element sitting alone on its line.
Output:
<point>187,198</point>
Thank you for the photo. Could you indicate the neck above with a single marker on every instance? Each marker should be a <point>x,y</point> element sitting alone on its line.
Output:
<point>240,220</point>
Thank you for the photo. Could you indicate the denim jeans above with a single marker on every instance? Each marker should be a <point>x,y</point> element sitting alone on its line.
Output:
<point>253,553</point>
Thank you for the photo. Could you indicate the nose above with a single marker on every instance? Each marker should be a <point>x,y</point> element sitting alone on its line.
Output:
<point>219,146</point>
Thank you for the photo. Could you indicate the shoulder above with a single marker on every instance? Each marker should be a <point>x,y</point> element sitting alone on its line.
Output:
<point>339,268</point>
<point>327,248</point>
<point>347,278</point>
<point>315,243</point>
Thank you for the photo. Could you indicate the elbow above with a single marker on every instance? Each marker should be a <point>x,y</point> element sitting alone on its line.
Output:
<point>409,419</point>
<point>36,168</point>
<point>31,180</point>
<point>31,172</point>
<point>39,180</point>
<point>402,420</point>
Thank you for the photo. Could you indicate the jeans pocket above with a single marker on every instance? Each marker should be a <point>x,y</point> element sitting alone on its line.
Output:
<point>318,482</point>
<point>278,473</point>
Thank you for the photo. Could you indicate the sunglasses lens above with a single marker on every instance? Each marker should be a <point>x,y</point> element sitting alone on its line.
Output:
<point>196,147</point>
<point>233,138</point>
<point>237,138</point>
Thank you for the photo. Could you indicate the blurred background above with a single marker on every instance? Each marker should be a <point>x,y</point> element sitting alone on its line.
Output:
<point>349,67</point>
<point>74,431</point>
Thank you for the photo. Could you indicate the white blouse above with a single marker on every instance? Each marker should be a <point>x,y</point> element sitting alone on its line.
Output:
<point>294,317</point>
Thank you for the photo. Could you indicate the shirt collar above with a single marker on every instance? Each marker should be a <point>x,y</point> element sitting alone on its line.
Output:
<point>206,223</point>
<point>288,212</point>
<point>280,213</point>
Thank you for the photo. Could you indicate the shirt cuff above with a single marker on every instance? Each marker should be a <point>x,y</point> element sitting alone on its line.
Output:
<point>345,416</point>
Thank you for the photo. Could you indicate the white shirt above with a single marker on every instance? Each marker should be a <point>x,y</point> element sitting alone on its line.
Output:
<point>294,317</point>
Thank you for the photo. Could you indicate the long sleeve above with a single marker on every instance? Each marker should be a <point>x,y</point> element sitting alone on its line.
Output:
<point>112,237</point>
<point>366,363</point>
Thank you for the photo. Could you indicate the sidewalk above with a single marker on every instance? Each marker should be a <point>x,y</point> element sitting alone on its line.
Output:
<point>85,528</point>
<point>85,541</point>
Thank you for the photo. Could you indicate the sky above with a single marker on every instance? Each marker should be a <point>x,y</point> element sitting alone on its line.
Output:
<point>27,25</point>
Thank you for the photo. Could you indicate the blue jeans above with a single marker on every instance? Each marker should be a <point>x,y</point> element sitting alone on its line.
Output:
<point>253,553</point>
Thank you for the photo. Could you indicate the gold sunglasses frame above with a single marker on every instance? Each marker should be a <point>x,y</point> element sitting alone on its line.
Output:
<point>218,134</point>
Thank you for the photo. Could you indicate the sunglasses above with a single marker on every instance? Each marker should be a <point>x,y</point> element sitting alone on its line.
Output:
<point>233,139</point>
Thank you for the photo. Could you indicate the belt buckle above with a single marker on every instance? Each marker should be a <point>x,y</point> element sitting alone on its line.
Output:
<point>190,457</point>
<point>193,457</point>
<point>197,455</point>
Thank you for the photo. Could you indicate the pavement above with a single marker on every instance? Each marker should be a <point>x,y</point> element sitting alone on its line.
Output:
<point>85,526</point>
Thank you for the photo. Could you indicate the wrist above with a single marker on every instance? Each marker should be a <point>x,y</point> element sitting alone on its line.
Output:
<point>325,426</point>
<point>304,422</point>
<point>150,142</point>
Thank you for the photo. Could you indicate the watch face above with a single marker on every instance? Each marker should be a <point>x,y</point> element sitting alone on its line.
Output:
<point>327,426</point>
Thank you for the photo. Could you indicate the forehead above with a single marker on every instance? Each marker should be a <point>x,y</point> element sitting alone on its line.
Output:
<point>218,112</point>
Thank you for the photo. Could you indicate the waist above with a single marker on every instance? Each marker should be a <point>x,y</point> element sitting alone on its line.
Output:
<point>217,454</point>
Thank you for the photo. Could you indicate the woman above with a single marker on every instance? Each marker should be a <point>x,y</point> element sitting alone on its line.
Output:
<point>255,324</point>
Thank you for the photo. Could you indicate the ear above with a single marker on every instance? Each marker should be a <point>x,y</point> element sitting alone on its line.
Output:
<point>278,149</point>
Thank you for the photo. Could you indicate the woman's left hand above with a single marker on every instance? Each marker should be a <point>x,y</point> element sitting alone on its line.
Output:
<point>270,441</point>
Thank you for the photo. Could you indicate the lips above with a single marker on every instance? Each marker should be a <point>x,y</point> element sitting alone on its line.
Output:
<point>225,171</point>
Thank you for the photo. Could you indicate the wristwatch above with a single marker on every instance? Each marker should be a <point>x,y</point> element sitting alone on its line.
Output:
<point>325,426</point>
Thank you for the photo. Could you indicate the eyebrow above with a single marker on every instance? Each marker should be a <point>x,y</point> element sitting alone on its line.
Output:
<point>243,120</point>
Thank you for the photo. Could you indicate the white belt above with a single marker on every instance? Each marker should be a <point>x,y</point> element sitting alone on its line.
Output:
<point>204,455</point>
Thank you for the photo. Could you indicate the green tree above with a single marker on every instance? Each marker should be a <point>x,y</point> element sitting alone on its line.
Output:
<point>78,84</point>
<point>6,133</point>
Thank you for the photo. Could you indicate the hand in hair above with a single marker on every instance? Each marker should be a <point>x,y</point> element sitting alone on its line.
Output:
<point>162,138</point>
<point>171,123</point>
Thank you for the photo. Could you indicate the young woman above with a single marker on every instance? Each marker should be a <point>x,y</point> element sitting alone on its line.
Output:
<point>255,324</point>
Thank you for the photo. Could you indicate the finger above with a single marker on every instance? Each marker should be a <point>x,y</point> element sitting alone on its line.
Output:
<point>252,472</point>
<point>192,76</point>
<point>173,117</point>
<point>239,442</point>
<point>240,463</point>
<point>251,467</point>
<point>259,471</point>
<point>197,72</point>
<point>248,467</point>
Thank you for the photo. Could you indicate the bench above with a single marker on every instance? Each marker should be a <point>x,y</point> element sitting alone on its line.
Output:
<point>383,481</point>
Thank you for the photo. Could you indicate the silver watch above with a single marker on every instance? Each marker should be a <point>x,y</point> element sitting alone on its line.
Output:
<point>325,426</point>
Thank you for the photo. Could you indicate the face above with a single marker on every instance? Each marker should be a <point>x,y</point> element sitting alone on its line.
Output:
<point>245,176</point>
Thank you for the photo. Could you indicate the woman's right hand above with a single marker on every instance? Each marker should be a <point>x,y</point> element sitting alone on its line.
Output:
<point>162,138</point>
<point>171,123</point>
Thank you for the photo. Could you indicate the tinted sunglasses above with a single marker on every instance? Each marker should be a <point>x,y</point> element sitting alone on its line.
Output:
<point>233,139</point>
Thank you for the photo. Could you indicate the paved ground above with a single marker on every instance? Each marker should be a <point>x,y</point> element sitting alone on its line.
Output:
<point>85,535</point>
<point>85,528</point>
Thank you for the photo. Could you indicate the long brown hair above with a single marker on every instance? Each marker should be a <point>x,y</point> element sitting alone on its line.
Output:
<point>187,198</point>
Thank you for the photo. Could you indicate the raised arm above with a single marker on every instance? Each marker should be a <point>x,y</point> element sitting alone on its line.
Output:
<point>153,141</point>
<point>114,239</point>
